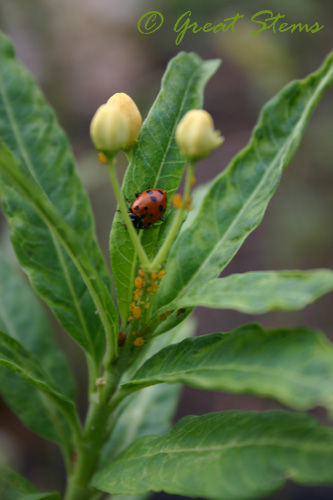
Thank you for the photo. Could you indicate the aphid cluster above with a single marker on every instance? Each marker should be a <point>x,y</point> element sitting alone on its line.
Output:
<point>146,285</point>
<point>148,208</point>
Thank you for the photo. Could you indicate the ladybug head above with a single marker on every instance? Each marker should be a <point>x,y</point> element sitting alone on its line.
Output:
<point>136,221</point>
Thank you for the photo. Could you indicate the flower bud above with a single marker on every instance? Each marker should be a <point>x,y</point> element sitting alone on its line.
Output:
<point>196,136</point>
<point>109,129</point>
<point>130,110</point>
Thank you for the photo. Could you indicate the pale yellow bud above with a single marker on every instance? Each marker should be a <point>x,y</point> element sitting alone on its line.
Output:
<point>130,110</point>
<point>196,135</point>
<point>109,129</point>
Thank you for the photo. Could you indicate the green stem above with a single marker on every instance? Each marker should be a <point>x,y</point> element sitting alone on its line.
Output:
<point>124,211</point>
<point>163,252</point>
<point>92,371</point>
<point>78,485</point>
<point>92,440</point>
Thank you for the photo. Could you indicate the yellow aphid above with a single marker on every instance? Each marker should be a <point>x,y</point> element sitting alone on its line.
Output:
<point>139,341</point>
<point>132,305</point>
<point>141,273</point>
<point>130,318</point>
<point>161,274</point>
<point>102,158</point>
<point>136,312</point>
<point>137,294</point>
<point>147,306</point>
<point>188,203</point>
<point>153,276</point>
<point>138,282</point>
<point>149,289</point>
<point>193,180</point>
<point>177,200</point>
<point>134,333</point>
<point>141,302</point>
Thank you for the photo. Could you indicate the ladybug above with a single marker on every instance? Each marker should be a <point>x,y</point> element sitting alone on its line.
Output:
<point>148,208</point>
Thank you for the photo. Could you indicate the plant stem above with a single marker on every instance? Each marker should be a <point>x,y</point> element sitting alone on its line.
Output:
<point>92,440</point>
<point>124,211</point>
<point>92,371</point>
<point>78,488</point>
<point>163,252</point>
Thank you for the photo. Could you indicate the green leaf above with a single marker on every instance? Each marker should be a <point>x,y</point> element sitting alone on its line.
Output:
<point>259,292</point>
<point>294,366</point>
<point>150,410</point>
<point>232,455</point>
<point>23,318</point>
<point>63,234</point>
<point>236,202</point>
<point>34,408</point>
<point>129,497</point>
<point>15,487</point>
<point>29,127</point>
<point>198,195</point>
<point>15,358</point>
<point>157,162</point>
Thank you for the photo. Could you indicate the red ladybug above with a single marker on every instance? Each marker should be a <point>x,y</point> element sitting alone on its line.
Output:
<point>148,208</point>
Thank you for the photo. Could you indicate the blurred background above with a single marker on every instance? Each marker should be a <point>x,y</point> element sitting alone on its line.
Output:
<point>83,51</point>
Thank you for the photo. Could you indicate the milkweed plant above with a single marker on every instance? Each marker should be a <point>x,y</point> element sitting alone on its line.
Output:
<point>139,344</point>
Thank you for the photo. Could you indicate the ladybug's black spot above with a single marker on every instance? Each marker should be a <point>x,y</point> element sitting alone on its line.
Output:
<point>161,192</point>
<point>148,191</point>
<point>136,208</point>
<point>151,216</point>
<point>153,198</point>
<point>146,208</point>
<point>161,208</point>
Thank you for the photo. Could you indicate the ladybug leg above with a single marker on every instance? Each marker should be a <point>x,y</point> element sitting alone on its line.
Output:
<point>129,203</point>
<point>137,195</point>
